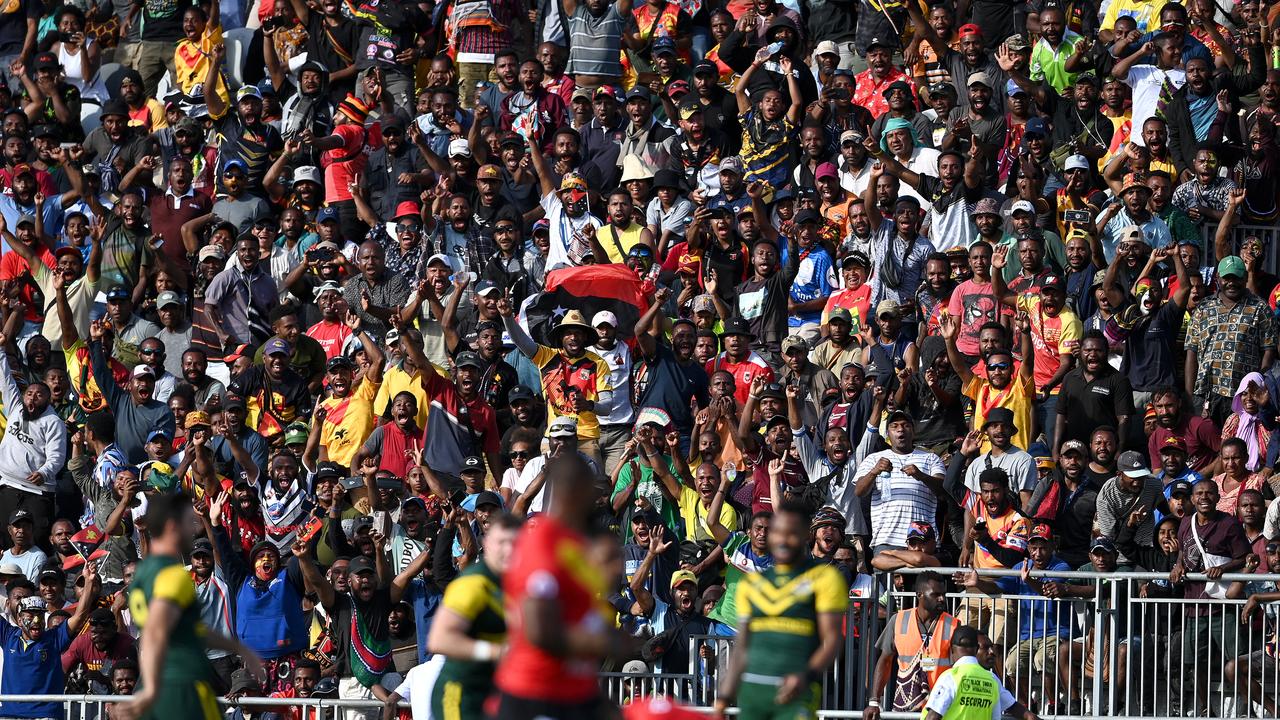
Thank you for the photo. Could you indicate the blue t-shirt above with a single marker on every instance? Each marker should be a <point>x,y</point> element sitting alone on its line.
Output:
<point>1039,618</point>
<point>815,278</point>
<point>425,601</point>
<point>33,669</point>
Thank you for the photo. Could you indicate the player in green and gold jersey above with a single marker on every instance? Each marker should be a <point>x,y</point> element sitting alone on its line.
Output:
<point>469,629</point>
<point>788,628</point>
<point>176,678</point>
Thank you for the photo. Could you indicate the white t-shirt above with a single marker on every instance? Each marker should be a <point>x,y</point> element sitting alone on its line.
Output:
<point>563,229</point>
<point>1146,81</point>
<point>418,684</point>
<point>30,561</point>
<point>620,410</point>
<point>518,484</point>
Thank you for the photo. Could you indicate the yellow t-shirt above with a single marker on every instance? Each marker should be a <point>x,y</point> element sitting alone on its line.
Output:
<point>1144,12</point>
<point>191,61</point>
<point>1017,396</point>
<point>617,244</point>
<point>694,516</point>
<point>396,380</point>
<point>348,422</point>
<point>1052,337</point>
<point>588,375</point>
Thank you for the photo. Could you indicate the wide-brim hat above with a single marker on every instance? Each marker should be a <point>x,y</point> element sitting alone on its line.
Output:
<point>573,319</point>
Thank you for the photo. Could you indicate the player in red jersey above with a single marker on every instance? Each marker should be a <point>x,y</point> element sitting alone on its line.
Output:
<point>559,627</point>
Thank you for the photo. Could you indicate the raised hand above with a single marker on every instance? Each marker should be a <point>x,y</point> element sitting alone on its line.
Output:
<point>1000,257</point>
<point>353,322</point>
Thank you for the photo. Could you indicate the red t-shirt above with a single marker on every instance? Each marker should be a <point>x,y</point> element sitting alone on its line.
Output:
<point>331,336</point>
<point>550,563</point>
<point>13,267</point>
<point>1201,436</point>
<point>343,164</point>
<point>743,372</point>
<point>82,650</point>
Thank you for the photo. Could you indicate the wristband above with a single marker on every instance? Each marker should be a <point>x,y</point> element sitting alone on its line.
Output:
<point>483,651</point>
<point>873,703</point>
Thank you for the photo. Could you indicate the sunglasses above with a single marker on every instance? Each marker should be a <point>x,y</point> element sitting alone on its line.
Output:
<point>150,352</point>
<point>409,226</point>
<point>1273,547</point>
<point>519,455</point>
<point>849,144</point>
<point>998,366</point>
<point>390,132</point>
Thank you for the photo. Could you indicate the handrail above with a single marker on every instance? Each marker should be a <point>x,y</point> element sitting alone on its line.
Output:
<point>1086,575</point>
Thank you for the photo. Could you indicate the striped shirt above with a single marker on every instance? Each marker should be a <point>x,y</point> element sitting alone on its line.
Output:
<point>898,500</point>
<point>596,42</point>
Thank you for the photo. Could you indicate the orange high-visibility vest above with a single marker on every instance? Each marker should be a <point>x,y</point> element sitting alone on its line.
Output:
<point>935,650</point>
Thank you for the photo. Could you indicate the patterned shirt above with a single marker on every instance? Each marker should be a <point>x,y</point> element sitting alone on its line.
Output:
<point>1213,196</point>
<point>870,91</point>
<point>1229,342</point>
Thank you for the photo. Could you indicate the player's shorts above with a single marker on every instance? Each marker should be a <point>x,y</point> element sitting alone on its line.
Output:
<point>454,700</point>
<point>510,707</point>
<point>188,701</point>
<point>756,702</point>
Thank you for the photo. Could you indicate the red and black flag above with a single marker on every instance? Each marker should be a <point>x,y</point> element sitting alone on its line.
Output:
<point>86,542</point>
<point>588,289</point>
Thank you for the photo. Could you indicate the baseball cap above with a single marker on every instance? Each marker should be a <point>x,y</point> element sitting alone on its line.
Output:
<point>46,61</point>
<point>609,91</point>
<point>409,208</point>
<point>1179,487</point>
<point>484,288</point>
<point>10,569</point>
<point>276,345</point>
<point>1035,126</point>
<point>852,136</point>
<point>897,415</point>
<point>1173,443</point>
<point>879,42</point>
<point>231,400</point>
<point>1132,464</point>
<point>248,91</point>
<point>841,314</point>
<point>1102,544</point>
<point>1072,446</point>
<point>732,164</point>
<point>1231,265</point>
<point>361,564</point>
<point>826,47</point>
<point>33,604</point>
<point>1133,181</point>
<point>53,572</point>
<point>888,307</point>
<point>856,258</point>
<point>167,298</point>
<point>806,216</point>
<point>826,170</point>
<point>794,342</point>
<point>774,391</point>
<point>197,418</point>
<point>1022,206</point>
<point>1012,89</point>
<point>563,427</point>
<point>920,531</point>
<point>487,497</point>
<point>736,326</point>
<point>473,464</point>
<point>705,68</point>
<point>902,85</point>
<point>327,286</point>
<point>604,317</point>
<point>942,88</point>
<point>326,214</point>
<point>468,359</point>
<point>202,547</point>
<point>639,92</point>
<point>1076,162</point>
<point>295,434</point>
<point>1016,42</point>
<point>489,172</point>
<point>1054,282</point>
<point>118,292</point>
<point>159,435</point>
<point>1040,531</point>
<point>459,148</point>
<point>680,577</point>
<point>978,78</point>
<point>18,516</point>
<point>968,29</point>
<point>143,371</point>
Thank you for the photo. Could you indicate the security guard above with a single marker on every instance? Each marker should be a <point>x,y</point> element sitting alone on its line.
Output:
<point>969,691</point>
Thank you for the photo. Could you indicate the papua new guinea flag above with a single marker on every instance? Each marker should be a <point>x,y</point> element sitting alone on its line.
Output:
<point>588,289</point>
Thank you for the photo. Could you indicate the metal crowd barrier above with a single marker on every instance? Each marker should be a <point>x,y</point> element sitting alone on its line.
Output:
<point>1121,645</point>
<point>1268,234</point>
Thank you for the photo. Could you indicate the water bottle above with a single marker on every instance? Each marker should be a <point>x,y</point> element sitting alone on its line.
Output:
<point>774,48</point>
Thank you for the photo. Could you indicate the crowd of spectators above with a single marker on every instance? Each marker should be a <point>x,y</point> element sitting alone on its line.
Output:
<point>982,284</point>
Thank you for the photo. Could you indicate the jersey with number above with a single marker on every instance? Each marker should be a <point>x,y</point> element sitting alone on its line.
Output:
<point>780,608</point>
<point>476,594</point>
<point>165,577</point>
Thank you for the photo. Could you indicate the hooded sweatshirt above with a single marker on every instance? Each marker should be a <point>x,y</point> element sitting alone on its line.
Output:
<point>30,444</point>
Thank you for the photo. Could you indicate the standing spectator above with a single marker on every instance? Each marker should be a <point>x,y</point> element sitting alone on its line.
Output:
<point>32,454</point>
<point>918,641</point>
<point>137,412</point>
<point>1230,334</point>
<point>1200,437</point>
<point>903,483</point>
<point>1093,394</point>
<point>240,298</point>
<point>1134,489</point>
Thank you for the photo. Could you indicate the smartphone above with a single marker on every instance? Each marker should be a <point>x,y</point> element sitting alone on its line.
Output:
<point>382,523</point>
<point>1077,216</point>
<point>66,146</point>
<point>456,498</point>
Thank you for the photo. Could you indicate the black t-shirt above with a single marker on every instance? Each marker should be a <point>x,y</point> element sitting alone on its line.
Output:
<point>662,381</point>
<point>1090,404</point>
<point>1148,360</point>
<point>162,19</point>
<point>935,423</point>
<point>336,47</point>
<point>374,613</point>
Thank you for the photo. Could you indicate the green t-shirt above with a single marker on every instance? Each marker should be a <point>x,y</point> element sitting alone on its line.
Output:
<point>650,488</point>
<point>160,576</point>
<point>739,559</point>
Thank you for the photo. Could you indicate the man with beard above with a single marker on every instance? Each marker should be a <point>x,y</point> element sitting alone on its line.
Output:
<point>613,241</point>
<point>530,107</point>
<point>998,431</point>
<point>311,107</point>
<point>80,283</point>
<point>276,394</point>
<point>1191,110</point>
<point>835,461</point>
<point>331,330</point>
<point>286,501</point>
<point>91,655</point>
<point>925,633</point>
<point>816,385</point>
<point>1150,327</point>
<point>129,328</point>
<point>1080,119</point>
<point>137,412</point>
<point>601,138</point>
<point>1199,435</point>
<point>116,146</point>
<point>506,268</point>
<point>243,136</point>
<point>33,654</point>
<point>1002,387</point>
<point>666,375</point>
<point>236,205</point>
<point>1132,488</point>
<point>902,105</point>
<point>1231,332</point>
<point>151,354</point>
<point>194,366</point>
<point>568,212</point>
<point>235,438</point>
<point>1093,394</point>
<point>698,146</point>
<point>979,124</point>
<point>898,241</point>
<point>307,357</point>
<point>375,293</point>
<point>173,208</point>
<point>842,345</point>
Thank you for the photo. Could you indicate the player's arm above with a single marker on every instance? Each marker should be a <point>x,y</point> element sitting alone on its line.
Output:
<point>449,631</point>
